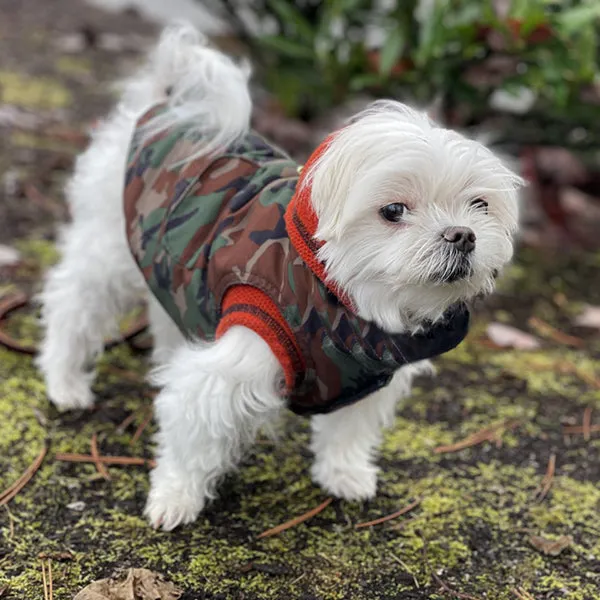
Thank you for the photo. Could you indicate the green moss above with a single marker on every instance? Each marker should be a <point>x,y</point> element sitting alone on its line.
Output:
<point>41,253</point>
<point>33,92</point>
<point>410,439</point>
<point>71,65</point>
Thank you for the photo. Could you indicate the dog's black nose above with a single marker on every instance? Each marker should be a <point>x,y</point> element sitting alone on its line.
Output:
<point>463,238</point>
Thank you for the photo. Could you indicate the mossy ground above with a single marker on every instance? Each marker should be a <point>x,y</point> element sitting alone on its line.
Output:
<point>470,530</point>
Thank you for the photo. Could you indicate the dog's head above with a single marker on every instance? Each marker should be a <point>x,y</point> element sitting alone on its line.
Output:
<point>414,217</point>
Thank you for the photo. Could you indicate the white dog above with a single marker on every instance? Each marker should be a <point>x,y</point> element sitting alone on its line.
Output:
<point>411,220</point>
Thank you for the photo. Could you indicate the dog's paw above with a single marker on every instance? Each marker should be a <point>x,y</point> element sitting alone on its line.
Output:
<point>169,504</point>
<point>345,481</point>
<point>70,394</point>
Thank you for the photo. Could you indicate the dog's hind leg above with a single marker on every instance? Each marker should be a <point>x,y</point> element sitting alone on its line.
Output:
<point>83,297</point>
<point>214,399</point>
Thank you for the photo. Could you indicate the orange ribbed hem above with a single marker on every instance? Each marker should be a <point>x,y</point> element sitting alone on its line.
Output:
<point>250,307</point>
<point>301,224</point>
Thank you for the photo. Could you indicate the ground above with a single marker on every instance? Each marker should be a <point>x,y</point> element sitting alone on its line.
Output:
<point>471,535</point>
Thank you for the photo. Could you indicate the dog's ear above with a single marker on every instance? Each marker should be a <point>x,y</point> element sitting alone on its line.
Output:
<point>329,175</point>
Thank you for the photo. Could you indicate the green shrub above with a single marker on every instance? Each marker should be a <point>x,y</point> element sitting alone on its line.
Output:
<point>318,53</point>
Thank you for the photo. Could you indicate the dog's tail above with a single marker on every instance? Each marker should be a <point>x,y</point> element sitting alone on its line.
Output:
<point>203,89</point>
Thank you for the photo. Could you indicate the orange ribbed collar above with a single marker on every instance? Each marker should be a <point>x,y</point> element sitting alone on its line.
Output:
<point>301,223</point>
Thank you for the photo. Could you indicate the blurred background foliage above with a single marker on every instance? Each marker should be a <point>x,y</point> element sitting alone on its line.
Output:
<point>535,60</point>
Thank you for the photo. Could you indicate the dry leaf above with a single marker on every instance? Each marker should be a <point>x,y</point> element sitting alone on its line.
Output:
<point>550,547</point>
<point>590,317</point>
<point>511,337</point>
<point>135,584</point>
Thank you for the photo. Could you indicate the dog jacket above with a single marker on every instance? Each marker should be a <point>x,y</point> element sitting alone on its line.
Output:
<point>228,240</point>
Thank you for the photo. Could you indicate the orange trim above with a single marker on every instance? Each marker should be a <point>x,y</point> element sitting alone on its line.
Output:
<point>301,223</point>
<point>250,307</point>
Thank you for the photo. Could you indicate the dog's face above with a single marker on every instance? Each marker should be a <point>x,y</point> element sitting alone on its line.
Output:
<point>415,217</point>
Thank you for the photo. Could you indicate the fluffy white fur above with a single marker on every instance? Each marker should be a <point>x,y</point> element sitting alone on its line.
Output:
<point>215,397</point>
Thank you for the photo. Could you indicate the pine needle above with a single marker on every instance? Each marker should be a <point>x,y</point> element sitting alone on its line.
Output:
<point>546,484</point>
<point>8,494</point>
<point>398,513</point>
<point>96,455</point>
<point>107,460</point>
<point>297,520</point>
<point>489,434</point>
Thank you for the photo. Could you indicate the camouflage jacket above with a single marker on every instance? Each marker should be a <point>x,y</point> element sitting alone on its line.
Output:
<point>203,228</point>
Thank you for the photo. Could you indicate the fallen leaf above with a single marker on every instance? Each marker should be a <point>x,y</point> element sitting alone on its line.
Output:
<point>511,337</point>
<point>135,584</point>
<point>3,590</point>
<point>590,317</point>
<point>78,506</point>
<point>550,547</point>
<point>8,256</point>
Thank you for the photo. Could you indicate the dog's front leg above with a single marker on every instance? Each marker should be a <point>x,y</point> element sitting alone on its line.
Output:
<point>346,442</point>
<point>215,399</point>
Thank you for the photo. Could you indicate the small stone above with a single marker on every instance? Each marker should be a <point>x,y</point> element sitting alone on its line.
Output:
<point>77,506</point>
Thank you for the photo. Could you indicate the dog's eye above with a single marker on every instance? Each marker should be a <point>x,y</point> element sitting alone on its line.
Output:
<point>480,204</point>
<point>393,212</point>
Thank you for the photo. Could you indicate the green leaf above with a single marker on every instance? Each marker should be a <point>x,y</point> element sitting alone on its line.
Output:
<point>391,51</point>
<point>576,18</point>
<point>365,81</point>
<point>287,47</point>
<point>288,13</point>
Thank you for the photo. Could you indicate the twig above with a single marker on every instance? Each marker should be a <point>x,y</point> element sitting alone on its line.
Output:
<point>19,300</point>
<point>7,495</point>
<point>107,460</point>
<point>587,423</point>
<point>546,484</point>
<point>546,330</point>
<point>452,592</point>
<point>50,586</point>
<point>44,581</point>
<point>136,328</point>
<point>127,421</point>
<point>522,594</point>
<point>96,455</point>
<point>489,434</point>
<point>402,511</point>
<point>297,520</point>
<point>7,305</point>
<point>142,426</point>
<point>579,429</point>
